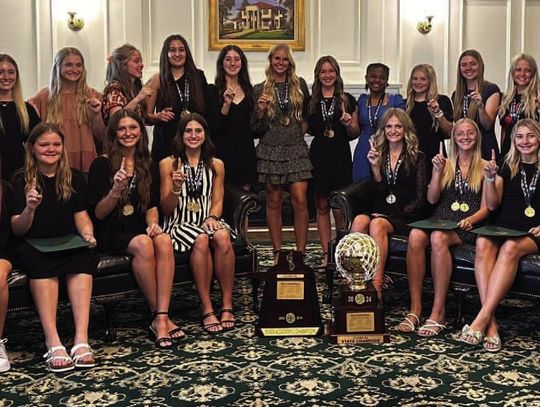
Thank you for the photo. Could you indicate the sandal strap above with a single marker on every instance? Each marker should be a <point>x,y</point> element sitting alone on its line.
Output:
<point>430,323</point>
<point>78,346</point>
<point>208,314</point>
<point>53,349</point>
<point>229,310</point>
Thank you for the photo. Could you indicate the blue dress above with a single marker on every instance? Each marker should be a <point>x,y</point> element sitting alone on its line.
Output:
<point>361,168</point>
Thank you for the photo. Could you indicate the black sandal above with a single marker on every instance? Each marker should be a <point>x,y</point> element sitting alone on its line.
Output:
<point>158,342</point>
<point>207,327</point>
<point>227,321</point>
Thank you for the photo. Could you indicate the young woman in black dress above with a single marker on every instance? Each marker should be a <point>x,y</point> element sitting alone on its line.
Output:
<point>456,188</point>
<point>6,197</point>
<point>178,87</point>
<point>477,99</point>
<point>430,112</point>
<point>230,105</point>
<point>17,117</point>
<point>513,192</point>
<point>332,121</point>
<point>521,99</point>
<point>49,201</point>
<point>279,120</point>
<point>124,196</point>
<point>399,172</point>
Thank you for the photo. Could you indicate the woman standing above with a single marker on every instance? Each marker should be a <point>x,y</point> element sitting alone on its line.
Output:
<point>496,261</point>
<point>520,100</point>
<point>124,88</point>
<point>73,106</point>
<point>399,172</point>
<point>192,203</point>
<point>178,88</point>
<point>230,105</point>
<point>50,202</point>
<point>124,196</point>
<point>283,158</point>
<point>430,112</point>
<point>332,121</point>
<point>456,188</point>
<point>371,107</point>
<point>17,117</point>
<point>477,99</point>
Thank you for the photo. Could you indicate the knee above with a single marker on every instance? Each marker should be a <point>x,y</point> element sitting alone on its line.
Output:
<point>222,240</point>
<point>298,201</point>
<point>201,244</point>
<point>360,224</point>
<point>417,239</point>
<point>378,227</point>
<point>142,245</point>
<point>509,251</point>
<point>273,202</point>
<point>163,243</point>
<point>439,241</point>
<point>322,207</point>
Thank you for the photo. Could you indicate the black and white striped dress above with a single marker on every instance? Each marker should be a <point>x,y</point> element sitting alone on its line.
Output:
<point>184,225</point>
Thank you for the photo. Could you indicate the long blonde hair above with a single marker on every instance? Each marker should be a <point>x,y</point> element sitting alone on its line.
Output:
<point>17,95</point>
<point>476,171</point>
<point>54,105</point>
<point>432,93</point>
<point>513,158</point>
<point>530,93</point>
<point>461,85</point>
<point>63,172</point>
<point>296,96</point>
<point>410,141</point>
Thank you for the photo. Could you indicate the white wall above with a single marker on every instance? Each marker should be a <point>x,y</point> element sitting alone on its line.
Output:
<point>357,32</point>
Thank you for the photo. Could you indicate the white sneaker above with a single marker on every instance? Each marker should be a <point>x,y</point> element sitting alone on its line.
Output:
<point>4,360</point>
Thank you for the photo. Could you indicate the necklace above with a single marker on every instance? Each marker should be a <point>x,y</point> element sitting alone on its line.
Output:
<point>5,103</point>
<point>374,118</point>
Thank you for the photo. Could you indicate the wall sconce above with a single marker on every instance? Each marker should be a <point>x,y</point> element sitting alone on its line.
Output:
<point>74,23</point>
<point>425,25</point>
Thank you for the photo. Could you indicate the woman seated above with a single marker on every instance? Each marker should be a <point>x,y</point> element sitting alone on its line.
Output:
<point>124,195</point>
<point>49,201</point>
<point>512,191</point>
<point>398,170</point>
<point>456,189</point>
<point>192,204</point>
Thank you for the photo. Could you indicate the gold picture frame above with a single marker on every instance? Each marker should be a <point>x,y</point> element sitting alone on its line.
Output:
<point>256,25</point>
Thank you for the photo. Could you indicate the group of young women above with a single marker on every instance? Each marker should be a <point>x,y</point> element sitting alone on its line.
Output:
<point>149,204</point>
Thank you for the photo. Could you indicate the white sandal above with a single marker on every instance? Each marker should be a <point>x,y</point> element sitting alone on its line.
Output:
<point>50,359</point>
<point>409,323</point>
<point>431,328</point>
<point>78,360</point>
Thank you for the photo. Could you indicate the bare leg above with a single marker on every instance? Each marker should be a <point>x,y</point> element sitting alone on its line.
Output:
<point>360,224</point>
<point>201,266</point>
<point>224,269</point>
<point>79,288</point>
<point>338,219</point>
<point>5,269</point>
<point>273,215</point>
<point>379,229</point>
<point>323,223</point>
<point>298,191</point>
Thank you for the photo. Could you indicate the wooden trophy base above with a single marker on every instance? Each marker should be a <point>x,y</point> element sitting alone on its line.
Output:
<point>358,318</point>
<point>290,305</point>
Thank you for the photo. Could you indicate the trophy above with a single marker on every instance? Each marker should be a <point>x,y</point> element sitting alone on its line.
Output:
<point>358,315</point>
<point>290,306</point>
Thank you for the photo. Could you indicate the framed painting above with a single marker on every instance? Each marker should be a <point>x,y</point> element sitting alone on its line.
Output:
<point>256,25</point>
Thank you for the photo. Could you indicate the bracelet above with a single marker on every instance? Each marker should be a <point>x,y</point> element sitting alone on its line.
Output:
<point>491,180</point>
<point>439,114</point>
<point>212,217</point>
<point>114,196</point>
<point>118,189</point>
<point>176,192</point>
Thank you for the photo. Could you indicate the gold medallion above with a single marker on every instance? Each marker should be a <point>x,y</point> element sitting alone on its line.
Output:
<point>464,207</point>
<point>529,211</point>
<point>455,206</point>
<point>128,210</point>
<point>329,133</point>
<point>286,121</point>
<point>193,206</point>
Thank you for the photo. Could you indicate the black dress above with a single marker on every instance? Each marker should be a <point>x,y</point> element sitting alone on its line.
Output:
<point>489,141</point>
<point>511,116</point>
<point>5,224</point>
<point>52,218</point>
<point>410,193</point>
<point>114,233</point>
<point>12,137</point>
<point>429,137</point>
<point>233,138</point>
<point>330,156</point>
<point>164,132</point>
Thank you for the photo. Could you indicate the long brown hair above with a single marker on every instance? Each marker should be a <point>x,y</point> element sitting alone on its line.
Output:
<point>179,148</point>
<point>142,160</point>
<point>243,75</point>
<point>461,85</point>
<point>316,90</point>
<point>22,112</point>
<point>63,172</point>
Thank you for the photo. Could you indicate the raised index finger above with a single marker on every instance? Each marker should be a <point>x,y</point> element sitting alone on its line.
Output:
<point>123,164</point>
<point>343,107</point>
<point>493,156</point>
<point>34,183</point>
<point>371,143</point>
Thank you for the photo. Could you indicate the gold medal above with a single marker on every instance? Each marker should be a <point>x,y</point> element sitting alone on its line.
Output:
<point>193,206</point>
<point>128,210</point>
<point>529,211</point>
<point>464,207</point>
<point>286,121</point>
<point>329,133</point>
<point>455,206</point>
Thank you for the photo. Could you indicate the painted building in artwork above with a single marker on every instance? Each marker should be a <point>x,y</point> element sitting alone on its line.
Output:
<point>263,16</point>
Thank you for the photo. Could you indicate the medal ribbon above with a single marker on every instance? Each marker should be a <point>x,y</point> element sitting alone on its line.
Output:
<point>528,191</point>
<point>283,100</point>
<point>194,179</point>
<point>184,96</point>
<point>391,176</point>
<point>461,185</point>
<point>374,118</point>
<point>515,108</point>
<point>466,102</point>
<point>328,115</point>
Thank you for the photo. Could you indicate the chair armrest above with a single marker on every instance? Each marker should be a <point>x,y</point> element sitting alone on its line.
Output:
<point>352,200</point>
<point>238,204</point>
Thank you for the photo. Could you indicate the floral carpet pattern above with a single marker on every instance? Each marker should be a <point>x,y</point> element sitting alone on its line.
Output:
<point>237,368</point>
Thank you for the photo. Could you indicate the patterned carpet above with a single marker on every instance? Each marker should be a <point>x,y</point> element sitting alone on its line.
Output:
<point>239,369</point>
